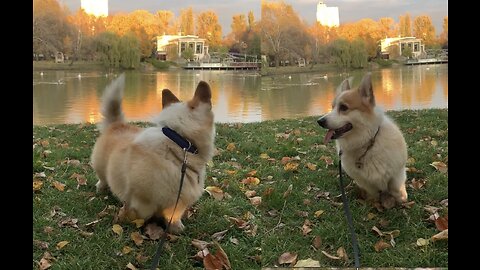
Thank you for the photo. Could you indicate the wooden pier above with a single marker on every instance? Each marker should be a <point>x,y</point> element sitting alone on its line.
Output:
<point>223,66</point>
<point>427,61</point>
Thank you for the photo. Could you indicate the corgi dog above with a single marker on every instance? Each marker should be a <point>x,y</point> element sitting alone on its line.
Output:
<point>142,166</point>
<point>372,147</point>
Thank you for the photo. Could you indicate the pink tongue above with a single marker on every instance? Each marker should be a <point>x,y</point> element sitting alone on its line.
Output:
<point>328,136</point>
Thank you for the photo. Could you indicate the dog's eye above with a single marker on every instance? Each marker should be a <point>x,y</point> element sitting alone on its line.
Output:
<point>343,108</point>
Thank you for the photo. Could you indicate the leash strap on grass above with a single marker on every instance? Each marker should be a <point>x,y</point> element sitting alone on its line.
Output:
<point>156,257</point>
<point>346,208</point>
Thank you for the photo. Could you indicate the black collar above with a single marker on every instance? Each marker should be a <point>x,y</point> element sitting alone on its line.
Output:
<point>179,140</point>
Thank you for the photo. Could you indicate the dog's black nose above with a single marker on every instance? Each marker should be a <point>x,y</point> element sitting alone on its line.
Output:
<point>322,122</point>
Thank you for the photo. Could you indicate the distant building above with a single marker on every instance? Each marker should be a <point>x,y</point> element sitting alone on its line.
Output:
<point>97,8</point>
<point>327,16</point>
<point>392,48</point>
<point>171,47</point>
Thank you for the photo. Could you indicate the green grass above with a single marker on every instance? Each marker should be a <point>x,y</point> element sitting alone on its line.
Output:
<point>77,65</point>
<point>275,234</point>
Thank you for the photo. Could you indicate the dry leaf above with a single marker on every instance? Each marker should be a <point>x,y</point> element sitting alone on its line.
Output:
<point>328,161</point>
<point>291,166</point>
<point>288,191</point>
<point>231,172</point>
<point>222,256</point>
<point>410,161</point>
<point>131,266</point>
<point>47,229</point>
<point>431,209</point>
<point>381,245</point>
<point>140,258</point>
<point>61,244</point>
<point>306,227</point>
<point>443,235</point>
<point>252,173</point>
<point>201,255</point>
<point>199,244</point>
<point>330,256</point>
<point>37,185</point>
<point>234,240</point>
<point>231,147</point>
<point>211,262</point>
<point>311,166</point>
<point>251,181</point>
<point>264,156</point>
<point>44,143</point>
<point>68,222</point>
<point>440,166</point>
<point>41,244</point>
<point>375,229</point>
<point>44,264</point>
<point>307,263</point>
<point>273,212</point>
<point>285,160</point>
<point>257,200</point>
<point>307,202</point>
<point>59,185</point>
<point>219,235</point>
<point>215,192</point>
<point>342,254</point>
<point>138,222</point>
<point>370,216</point>
<point>318,213</point>
<point>287,258</point>
<point>302,213</point>
<point>422,242</point>
<point>317,242</point>
<point>441,223</point>
<point>153,231</point>
<point>117,229</point>
<point>250,193</point>
<point>126,250</point>
<point>137,238</point>
<point>268,191</point>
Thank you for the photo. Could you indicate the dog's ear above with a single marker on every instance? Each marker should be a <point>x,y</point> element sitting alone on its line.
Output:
<point>366,90</point>
<point>203,93</point>
<point>345,85</point>
<point>168,98</point>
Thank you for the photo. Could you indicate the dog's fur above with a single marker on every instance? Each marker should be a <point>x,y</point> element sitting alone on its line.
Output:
<point>142,166</point>
<point>382,168</point>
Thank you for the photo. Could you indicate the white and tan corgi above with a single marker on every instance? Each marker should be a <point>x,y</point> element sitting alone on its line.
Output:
<point>374,152</point>
<point>142,167</point>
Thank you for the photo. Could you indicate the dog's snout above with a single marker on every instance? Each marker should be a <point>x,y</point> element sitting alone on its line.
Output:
<point>322,122</point>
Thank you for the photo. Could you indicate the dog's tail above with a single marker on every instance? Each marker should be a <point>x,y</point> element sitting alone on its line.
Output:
<point>112,103</point>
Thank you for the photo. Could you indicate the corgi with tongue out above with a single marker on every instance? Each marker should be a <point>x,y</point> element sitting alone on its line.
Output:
<point>374,152</point>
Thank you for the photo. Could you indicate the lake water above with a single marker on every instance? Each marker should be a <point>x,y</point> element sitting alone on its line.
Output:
<point>61,97</point>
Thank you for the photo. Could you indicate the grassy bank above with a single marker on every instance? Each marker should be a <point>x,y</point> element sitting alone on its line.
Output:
<point>297,181</point>
<point>77,65</point>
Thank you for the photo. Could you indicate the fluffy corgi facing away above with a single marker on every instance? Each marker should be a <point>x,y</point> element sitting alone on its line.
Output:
<point>142,167</point>
<point>374,152</point>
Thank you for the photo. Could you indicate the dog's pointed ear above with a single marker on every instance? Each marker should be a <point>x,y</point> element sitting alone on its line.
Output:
<point>168,98</point>
<point>203,92</point>
<point>366,89</point>
<point>345,85</point>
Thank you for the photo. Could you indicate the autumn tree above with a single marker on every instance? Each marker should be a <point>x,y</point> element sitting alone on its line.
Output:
<point>366,29</point>
<point>165,18</point>
<point>186,21</point>
<point>424,29</point>
<point>251,19</point>
<point>209,28</point>
<point>444,34</point>
<point>387,27</point>
<point>405,25</point>
<point>239,26</point>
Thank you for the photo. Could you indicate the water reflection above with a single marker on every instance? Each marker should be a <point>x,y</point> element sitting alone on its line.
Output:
<point>65,97</point>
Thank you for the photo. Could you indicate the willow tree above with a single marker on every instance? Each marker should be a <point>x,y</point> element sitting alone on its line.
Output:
<point>129,48</point>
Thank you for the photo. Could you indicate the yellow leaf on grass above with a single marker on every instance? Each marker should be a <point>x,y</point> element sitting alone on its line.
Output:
<point>311,166</point>
<point>287,258</point>
<point>318,213</point>
<point>59,185</point>
<point>231,147</point>
<point>137,238</point>
<point>37,185</point>
<point>291,166</point>
<point>440,166</point>
<point>215,192</point>
<point>126,249</point>
<point>264,156</point>
<point>117,229</point>
<point>422,242</point>
<point>307,263</point>
<point>256,200</point>
<point>61,244</point>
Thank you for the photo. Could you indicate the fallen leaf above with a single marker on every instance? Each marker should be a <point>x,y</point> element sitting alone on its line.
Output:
<point>68,222</point>
<point>40,175</point>
<point>342,254</point>
<point>126,250</point>
<point>252,173</point>
<point>375,229</point>
<point>285,160</point>
<point>41,244</point>
<point>273,212</point>
<point>201,255</point>
<point>328,160</point>
<point>59,185</point>
<point>234,240</point>
<point>85,234</point>
<point>370,216</point>
<point>444,202</point>
<point>381,245</point>
<point>231,172</point>
<point>137,238</point>
<point>302,213</point>
<point>211,262</point>
<point>138,222</point>
<point>434,143</point>
<point>44,143</point>
<point>37,185</point>
<point>443,235</point>
<point>61,244</point>
<point>409,204</point>
<point>440,166</point>
<point>231,147</point>
<point>288,191</point>
<point>117,229</point>
<point>47,229</point>
<point>153,231</point>
<point>250,193</point>
<point>291,166</point>
<point>311,166</point>
<point>306,227</point>
<point>330,256</point>
<point>250,181</point>
<point>307,263</point>
<point>44,264</point>
<point>215,192</point>
<point>417,184</point>
<point>222,256</point>
<point>140,258</point>
<point>287,258</point>
<point>131,266</point>
<point>422,242</point>
<point>318,213</point>
<point>257,200</point>
<point>264,156</point>
<point>307,202</point>
<point>441,223</point>
<point>317,242</point>
<point>74,162</point>
<point>219,235</point>
<point>199,244</point>
<point>268,191</point>
<point>431,209</point>
<point>410,161</point>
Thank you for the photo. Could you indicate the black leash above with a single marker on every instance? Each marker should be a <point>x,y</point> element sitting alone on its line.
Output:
<point>156,257</point>
<point>346,208</point>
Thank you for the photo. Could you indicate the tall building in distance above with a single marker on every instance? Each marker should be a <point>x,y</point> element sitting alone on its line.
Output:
<point>327,16</point>
<point>97,8</point>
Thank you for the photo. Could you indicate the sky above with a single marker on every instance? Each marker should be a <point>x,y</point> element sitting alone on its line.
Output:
<point>349,10</point>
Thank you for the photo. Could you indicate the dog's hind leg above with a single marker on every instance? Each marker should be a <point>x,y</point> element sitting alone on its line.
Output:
<point>397,187</point>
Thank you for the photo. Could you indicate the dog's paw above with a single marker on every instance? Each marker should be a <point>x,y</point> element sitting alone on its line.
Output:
<point>101,187</point>
<point>176,227</point>
<point>387,200</point>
